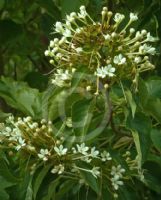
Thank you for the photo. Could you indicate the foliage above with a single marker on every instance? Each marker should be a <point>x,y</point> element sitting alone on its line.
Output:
<point>83,140</point>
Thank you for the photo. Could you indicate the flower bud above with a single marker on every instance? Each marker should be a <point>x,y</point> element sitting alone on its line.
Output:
<point>106,86</point>
<point>88,88</point>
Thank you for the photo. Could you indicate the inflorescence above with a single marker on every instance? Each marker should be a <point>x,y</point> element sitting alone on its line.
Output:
<point>37,142</point>
<point>110,50</point>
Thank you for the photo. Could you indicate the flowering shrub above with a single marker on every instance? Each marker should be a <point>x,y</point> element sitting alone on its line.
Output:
<point>94,135</point>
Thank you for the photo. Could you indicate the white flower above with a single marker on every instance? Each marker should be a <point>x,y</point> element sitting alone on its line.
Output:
<point>95,171</point>
<point>82,148</point>
<point>59,27</point>
<point>58,169</point>
<point>119,59</point>
<point>118,17</point>
<point>147,49</point>
<point>110,70</point>
<point>94,153</point>
<point>61,78</point>
<point>105,71</point>
<point>133,17</point>
<point>105,156</point>
<point>137,60</point>
<point>70,18</point>
<point>15,134</point>
<point>151,38</point>
<point>83,12</point>
<point>116,182</point>
<point>67,33</point>
<point>21,143</point>
<point>117,171</point>
<point>60,150</point>
<point>44,153</point>
<point>101,72</point>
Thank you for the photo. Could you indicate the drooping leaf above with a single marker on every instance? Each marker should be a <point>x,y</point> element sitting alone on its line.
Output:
<point>131,101</point>
<point>91,181</point>
<point>82,115</point>
<point>21,97</point>
<point>148,100</point>
<point>29,191</point>
<point>39,179</point>
<point>140,126</point>
<point>52,190</point>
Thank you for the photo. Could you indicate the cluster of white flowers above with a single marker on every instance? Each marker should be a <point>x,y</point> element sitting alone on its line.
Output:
<point>113,52</point>
<point>117,174</point>
<point>62,78</point>
<point>86,153</point>
<point>38,141</point>
<point>18,132</point>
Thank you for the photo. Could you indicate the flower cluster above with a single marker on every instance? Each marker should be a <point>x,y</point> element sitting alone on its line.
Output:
<point>103,49</point>
<point>117,174</point>
<point>37,141</point>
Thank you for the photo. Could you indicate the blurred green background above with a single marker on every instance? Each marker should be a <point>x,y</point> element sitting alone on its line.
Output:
<point>25,31</point>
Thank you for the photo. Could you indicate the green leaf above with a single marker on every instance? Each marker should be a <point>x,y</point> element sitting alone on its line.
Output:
<point>82,113</point>
<point>64,188</point>
<point>153,107</point>
<point>140,127</point>
<point>5,173</point>
<point>91,181</point>
<point>156,138</point>
<point>4,195</point>
<point>152,176</point>
<point>148,100</point>
<point>51,189</point>
<point>39,179</point>
<point>29,191</point>
<point>154,87</point>
<point>21,97</point>
<point>7,36</point>
<point>3,185</point>
<point>131,101</point>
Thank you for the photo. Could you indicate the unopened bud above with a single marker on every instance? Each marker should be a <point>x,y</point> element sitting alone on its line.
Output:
<point>105,9</point>
<point>110,13</point>
<point>88,88</point>
<point>58,142</point>
<point>51,62</point>
<point>10,153</point>
<point>106,86</point>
